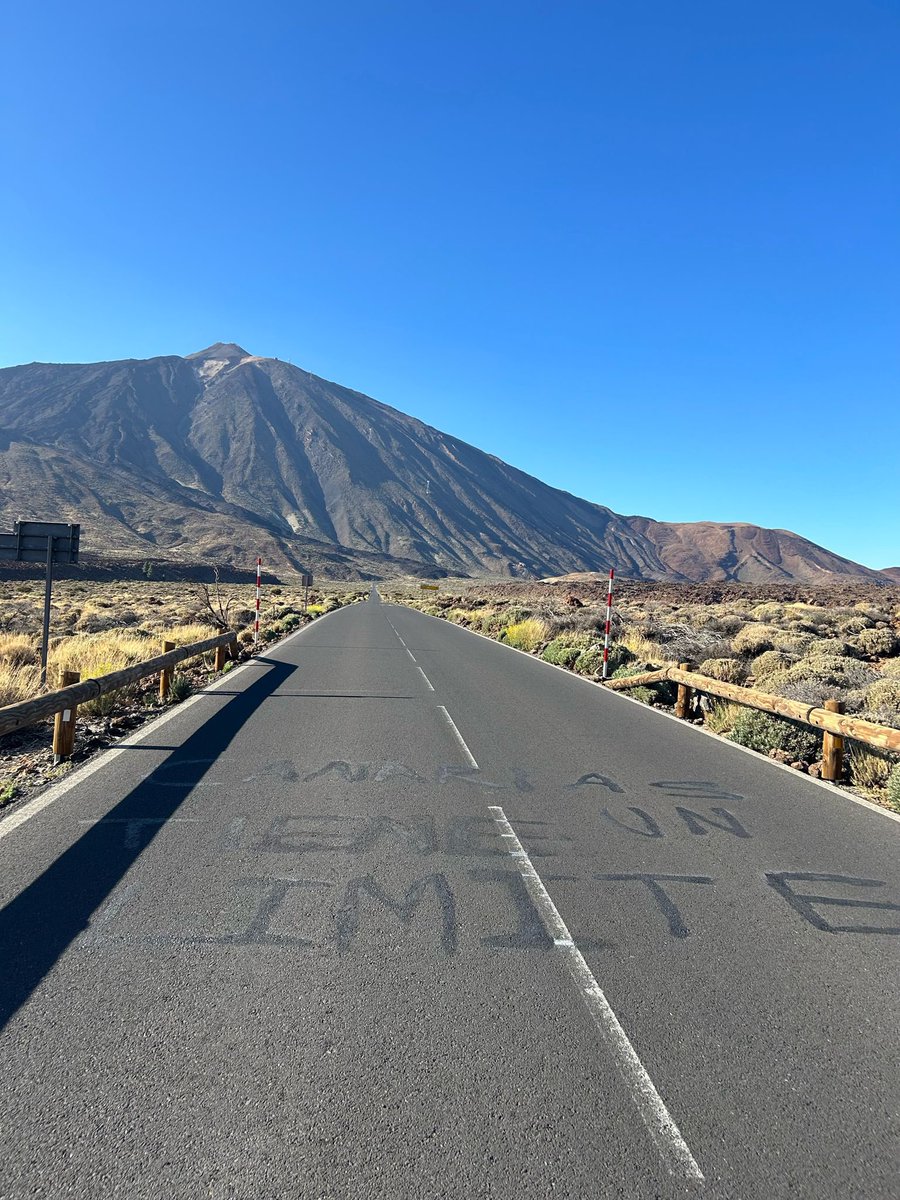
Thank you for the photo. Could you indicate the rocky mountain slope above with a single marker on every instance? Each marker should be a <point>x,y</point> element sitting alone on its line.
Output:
<point>224,455</point>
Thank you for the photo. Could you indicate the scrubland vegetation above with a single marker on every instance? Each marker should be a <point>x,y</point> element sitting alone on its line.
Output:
<point>97,629</point>
<point>826,647</point>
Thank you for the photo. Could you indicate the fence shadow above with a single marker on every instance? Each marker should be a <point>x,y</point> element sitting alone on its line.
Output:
<point>51,912</point>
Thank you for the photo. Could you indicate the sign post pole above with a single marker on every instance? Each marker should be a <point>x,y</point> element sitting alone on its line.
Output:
<point>258,593</point>
<point>48,591</point>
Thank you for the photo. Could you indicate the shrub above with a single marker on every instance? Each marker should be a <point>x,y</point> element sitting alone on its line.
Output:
<point>721,717</point>
<point>869,769</point>
<point>769,612</point>
<point>880,643</point>
<point>589,662</point>
<point>726,670</point>
<point>18,650</point>
<point>841,673</point>
<point>18,683</point>
<point>564,650</point>
<point>764,733</point>
<point>525,635</point>
<point>754,639</point>
<point>793,643</point>
<point>768,665</point>
<point>885,694</point>
<point>893,789</point>
<point>831,648</point>
<point>179,689</point>
<point>684,643</point>
<point>891,668</point>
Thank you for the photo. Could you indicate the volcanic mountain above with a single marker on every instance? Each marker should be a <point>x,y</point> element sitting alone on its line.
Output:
<point>223,455</point>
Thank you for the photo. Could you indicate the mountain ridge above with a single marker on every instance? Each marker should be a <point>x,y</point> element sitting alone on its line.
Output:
<point>228,454</point>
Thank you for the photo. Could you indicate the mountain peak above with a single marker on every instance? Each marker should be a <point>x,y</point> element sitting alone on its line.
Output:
<point>229,351</point>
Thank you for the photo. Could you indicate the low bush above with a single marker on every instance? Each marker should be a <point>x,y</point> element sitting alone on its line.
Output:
<point>720,717</point>
<point>893,788</point>
<point>869,768</point>
<point>18,650</point>
<point>525,635</point>
<point>179,689</point>
<point>764,733</point>
<point>794,643</point>
<point>878,643</point>
<point>565,649</point>
<point>884,694</point>
<point>768,665</point>
<point>589,662</point>
<point>726,670</point>
<point>754,639</point>
<point>831,648</point>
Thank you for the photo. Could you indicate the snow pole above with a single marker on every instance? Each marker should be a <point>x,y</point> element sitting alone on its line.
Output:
<point>258,594</point>
<point>612,573</point>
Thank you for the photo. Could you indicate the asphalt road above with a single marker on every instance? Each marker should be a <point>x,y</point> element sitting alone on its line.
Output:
<point>292,942</point>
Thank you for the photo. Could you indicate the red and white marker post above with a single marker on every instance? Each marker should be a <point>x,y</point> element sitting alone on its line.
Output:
<point>608,623</point>
<point>258,594</point>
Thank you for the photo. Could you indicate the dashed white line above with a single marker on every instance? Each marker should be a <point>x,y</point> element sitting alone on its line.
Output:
<point>428,682</point>
<point>665,1133</point>
<point>459,737</point>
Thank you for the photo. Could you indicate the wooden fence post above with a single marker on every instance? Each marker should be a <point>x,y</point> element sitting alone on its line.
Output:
<point>220,658</point>
<point>64,722</point>
<point>833,747</point>
<point>685,695</point>
<point>165,676</point>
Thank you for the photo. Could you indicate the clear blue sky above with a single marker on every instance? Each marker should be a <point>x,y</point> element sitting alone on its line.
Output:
<point>647,251</point>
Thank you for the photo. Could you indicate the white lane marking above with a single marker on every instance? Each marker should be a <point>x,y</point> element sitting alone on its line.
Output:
<point>459,737</point>
<point>665,1133</point>
<point>428,682</point>
<point>30,808</point>
<point>835,791</point>
<point>95,930</point>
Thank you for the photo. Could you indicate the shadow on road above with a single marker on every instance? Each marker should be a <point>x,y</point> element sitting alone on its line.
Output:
<point>46,917</point>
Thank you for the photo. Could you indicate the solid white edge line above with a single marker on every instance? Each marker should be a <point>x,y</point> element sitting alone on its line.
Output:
<point>459,737</point>
<point>832,789</point>
<point>30,808</point>
<point>665,1133</point>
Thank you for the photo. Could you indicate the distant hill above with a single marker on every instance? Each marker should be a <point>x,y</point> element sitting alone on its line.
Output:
<point>223,455</point>
<point>892,574</point>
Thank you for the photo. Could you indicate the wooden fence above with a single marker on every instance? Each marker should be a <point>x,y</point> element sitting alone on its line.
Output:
<point>63,704</point>
<point>831,720</point>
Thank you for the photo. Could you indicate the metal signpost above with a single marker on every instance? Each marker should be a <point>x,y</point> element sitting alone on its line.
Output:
<point>48,542</point>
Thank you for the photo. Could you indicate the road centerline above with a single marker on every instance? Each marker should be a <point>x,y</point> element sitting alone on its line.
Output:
<point>459,737</point>
<point>666,1135</point>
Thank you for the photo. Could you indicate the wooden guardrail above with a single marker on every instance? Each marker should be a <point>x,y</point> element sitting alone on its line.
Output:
<point>63,703</point>
<point>832,720</point>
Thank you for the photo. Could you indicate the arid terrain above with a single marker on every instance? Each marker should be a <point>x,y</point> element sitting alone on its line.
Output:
<point>803,643</point>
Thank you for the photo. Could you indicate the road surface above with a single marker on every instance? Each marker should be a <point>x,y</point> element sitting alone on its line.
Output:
<point>395,911</point>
